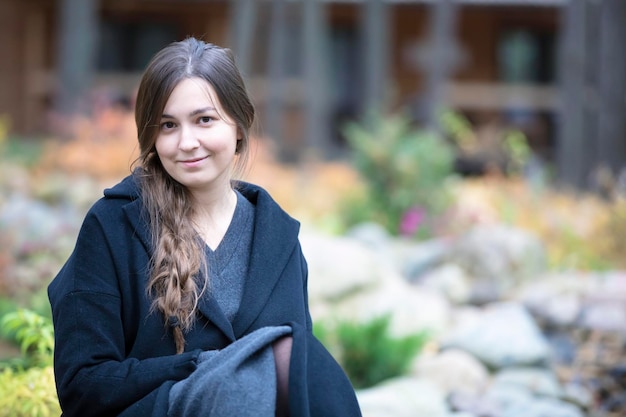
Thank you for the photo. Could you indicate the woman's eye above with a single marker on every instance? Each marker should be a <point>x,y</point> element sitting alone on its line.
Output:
<point>206,119</point>
<point>167,125</point>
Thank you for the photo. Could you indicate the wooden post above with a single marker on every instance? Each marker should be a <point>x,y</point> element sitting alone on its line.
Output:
<point>571,140</point>
<point>443,57</point>
<point>315,57</point>
<point>376,52</point>
<point>612,86</point>
<point>274,92</point>
<point>242,28</point>
<point>75,55</point>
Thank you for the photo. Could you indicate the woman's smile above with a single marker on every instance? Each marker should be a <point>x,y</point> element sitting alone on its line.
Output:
<point>197,141</point>
<point>194,162</point>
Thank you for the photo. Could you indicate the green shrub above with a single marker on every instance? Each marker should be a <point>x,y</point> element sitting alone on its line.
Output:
<point>34,333</point>
<point>28,393</point>
<point>27,386</point>
<point>367,352</point>
<point>404,170</point>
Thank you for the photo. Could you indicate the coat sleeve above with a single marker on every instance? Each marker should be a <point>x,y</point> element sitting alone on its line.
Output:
<point>318,386</point>
<point>305,278</point>
<point>93,375</point>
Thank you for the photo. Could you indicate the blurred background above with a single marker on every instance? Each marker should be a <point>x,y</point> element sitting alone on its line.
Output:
<point>477,146</point>
<point>554,69</point>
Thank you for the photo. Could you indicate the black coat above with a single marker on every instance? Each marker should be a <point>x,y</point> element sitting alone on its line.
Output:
<point>113,356</point>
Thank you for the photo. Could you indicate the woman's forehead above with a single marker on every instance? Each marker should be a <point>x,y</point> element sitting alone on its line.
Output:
<point>191,94</point>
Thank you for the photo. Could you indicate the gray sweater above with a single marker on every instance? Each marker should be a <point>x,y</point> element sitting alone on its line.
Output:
<point>239,380</point>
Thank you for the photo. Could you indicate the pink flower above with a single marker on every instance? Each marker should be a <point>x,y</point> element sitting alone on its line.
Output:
<point>411,220</point>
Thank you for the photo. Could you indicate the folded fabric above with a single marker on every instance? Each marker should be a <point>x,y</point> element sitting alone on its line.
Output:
<point>239,380</point>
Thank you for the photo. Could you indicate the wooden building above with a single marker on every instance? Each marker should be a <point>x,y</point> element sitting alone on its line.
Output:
<point>498,61</point>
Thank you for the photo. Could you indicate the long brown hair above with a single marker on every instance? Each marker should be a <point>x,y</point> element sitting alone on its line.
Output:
<point>178,270</point>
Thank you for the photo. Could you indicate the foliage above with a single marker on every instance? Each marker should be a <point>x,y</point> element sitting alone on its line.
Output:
<point>27,385</point>
<point>579,231</point>
<point>405,171</point>
<point>28,393</point>
<point>609,237</point>
<point>17,150</point>
<point>367,352</point>
<point>34,333</point>
<point>518,151</point>
<point>512,144</point>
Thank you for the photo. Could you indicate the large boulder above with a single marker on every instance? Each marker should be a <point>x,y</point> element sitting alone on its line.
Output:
<point>403,397</point>
<point>502,335</point>
<point>338,266</point>
<point>499,258</point>
<point>453,370</point>
<point>412,309</point>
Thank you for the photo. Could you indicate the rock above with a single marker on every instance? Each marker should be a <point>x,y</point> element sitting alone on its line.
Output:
<point>503,335</point>
<point>542,407</point>
<point>538,381</point>
<point>416,258</point>
<point>503,256</point>
<point>513,394</point>
<point>450,280</point>
<point>475,405</point>
<point>412,309</point>
<point>578,394</point>
<point>371,234</point>
<point>605,316</point>
<point>611,286</point>
<point>338,266</point>
<point>403,397</point>
<point>557,298</point>
<point>605,304</point>
<point>453,370</point>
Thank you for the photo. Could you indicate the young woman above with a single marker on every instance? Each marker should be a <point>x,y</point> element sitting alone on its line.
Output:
<point>186,293</point>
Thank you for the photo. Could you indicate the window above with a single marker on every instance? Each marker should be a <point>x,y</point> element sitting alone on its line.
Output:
<point>128,46</point>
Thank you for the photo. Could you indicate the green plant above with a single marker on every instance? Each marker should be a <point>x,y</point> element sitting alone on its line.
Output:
<point>28,393</point>
<point>404,170</point>
<point>518,151</point>
<point>27,386</point>
<point>34,333</point>
<point>367,352</point>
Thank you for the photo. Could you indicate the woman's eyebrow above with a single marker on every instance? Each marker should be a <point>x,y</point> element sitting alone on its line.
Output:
<point>193,113</point>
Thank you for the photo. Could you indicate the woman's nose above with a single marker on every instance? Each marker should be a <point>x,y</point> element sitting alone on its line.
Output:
<point>188,140</point>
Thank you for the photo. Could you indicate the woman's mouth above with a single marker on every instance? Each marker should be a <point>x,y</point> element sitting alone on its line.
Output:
<point>193,161</point>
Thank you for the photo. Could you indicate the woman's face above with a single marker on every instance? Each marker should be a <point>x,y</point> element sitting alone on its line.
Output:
<point>197,140</point>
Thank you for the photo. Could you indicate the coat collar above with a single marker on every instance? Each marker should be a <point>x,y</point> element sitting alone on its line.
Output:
<point>275,237</point>
<point>274,240</point>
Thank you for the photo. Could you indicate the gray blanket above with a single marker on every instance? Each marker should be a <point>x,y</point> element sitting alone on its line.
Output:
<point>239,380</point>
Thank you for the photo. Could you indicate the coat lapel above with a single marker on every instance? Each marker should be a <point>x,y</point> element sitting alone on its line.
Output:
<point>275,237</point>
<point>207,305</point>
<point>209,308</point>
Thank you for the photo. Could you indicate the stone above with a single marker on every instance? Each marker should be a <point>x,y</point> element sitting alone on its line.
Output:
<point>542,407</point>
<point>453,370</point>
<point>538,381</point>
<point>503,335</point>
<point>417,258</point>
<point>476,405</point>
<point>557,298</point>
<point>412,310</point>
<point>505,396</point>
<point>371,234</point>
<point>338,266</point>
<point>450,280</point>
<point>604,316</point>
<point>403,397</point>
<point>504,256</point>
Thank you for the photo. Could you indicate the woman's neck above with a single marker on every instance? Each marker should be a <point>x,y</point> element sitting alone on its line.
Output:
<point>213,213</point>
